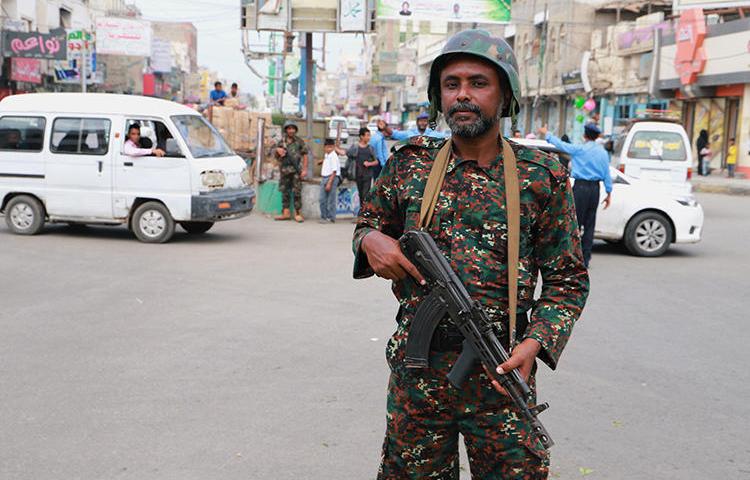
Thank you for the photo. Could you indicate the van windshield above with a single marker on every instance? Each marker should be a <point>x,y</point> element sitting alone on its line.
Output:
<point>202,139</point>
<point>653,145</point>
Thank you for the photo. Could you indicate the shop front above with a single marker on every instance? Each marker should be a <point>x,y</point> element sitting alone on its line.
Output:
<point>707,69</point>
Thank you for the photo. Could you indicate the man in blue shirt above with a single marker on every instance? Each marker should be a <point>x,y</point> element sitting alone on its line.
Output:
<point>589,165</point>
<point>218,95</point>
<point>377,142</point>
<point>422,129</point>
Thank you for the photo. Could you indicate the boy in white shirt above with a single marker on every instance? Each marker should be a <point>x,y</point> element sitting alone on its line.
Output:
<point>330,172</point>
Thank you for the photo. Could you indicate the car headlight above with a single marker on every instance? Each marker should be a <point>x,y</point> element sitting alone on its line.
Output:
<point>246,177</point>
<point>687,201</point>
<point>213,179</point>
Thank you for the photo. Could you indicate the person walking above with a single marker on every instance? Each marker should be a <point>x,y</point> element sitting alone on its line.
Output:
<point>365,159</point>
<point>589,165</point>
<point>377,142</point>
<point>703,147</point>
<point>330,171</point>
<point>291,152</point>
<point>731,158</point>
<point>474,82</point>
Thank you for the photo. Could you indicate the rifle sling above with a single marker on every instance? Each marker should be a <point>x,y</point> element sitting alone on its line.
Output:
<point>513,214</point>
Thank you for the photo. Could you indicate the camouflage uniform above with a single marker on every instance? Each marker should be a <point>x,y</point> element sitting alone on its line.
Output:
<point>291,166</point>
<point>425,413</point>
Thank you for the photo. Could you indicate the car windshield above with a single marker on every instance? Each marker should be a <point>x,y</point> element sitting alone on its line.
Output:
<point>653,145</point>
<point>201,137</point>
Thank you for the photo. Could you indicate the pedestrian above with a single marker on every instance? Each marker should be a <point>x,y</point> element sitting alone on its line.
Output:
<point>702,146</point>
<point>218,95</point>
<point>330,171</point>
<point>377,141</point>
<point>517,134</point>
<point>589,164</point>
<point>364,158</point>
<point>731,157</point>
<point>422,128</point>
<point>234,90</point>
<point>474,83</point>
<point>291,152</point>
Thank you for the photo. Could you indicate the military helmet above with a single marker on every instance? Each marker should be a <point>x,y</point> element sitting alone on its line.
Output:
<point>289,123</point>
<point>481,44</point>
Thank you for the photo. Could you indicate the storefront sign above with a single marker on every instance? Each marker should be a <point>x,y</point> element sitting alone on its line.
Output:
<point>691,56</point>
<point>161,55</point>
<point>26,70</point>
<point>50,45</point>
<point>468,11</point>
<point>352,16</point>
<point>120,36</point>
<point>572,81</point>
<point>639,40</point>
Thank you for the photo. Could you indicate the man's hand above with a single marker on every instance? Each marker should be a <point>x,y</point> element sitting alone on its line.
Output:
<point>607,201</point>
<point>280,151</point>
<point>371,164</point>
<point>386,258</point>
<point>522,358</point>
<point>158,152</point>
<point>303,174</point>
<point>543,130</point>
<point>328,187</point>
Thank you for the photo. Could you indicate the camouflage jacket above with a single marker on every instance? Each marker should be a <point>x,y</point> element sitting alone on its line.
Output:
<point>291,162</point>
<point>469,226</point>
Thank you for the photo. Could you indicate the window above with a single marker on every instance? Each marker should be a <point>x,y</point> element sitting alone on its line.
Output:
<point>654,145</point>
<point>86,136</point>
<point>154,134</point>
<point>22,133</point>
<point>65,18</point>
<point>201,137</point>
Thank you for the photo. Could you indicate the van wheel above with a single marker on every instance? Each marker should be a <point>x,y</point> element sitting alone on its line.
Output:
<point>152,223</point>
<point>196,227</point>
<point>24,215</point>
<point>648,234</point>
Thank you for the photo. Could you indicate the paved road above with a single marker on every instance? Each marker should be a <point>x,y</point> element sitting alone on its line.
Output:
<point>249,353</point>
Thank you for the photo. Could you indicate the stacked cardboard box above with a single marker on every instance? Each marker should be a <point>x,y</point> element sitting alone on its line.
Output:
<point>234,126</point>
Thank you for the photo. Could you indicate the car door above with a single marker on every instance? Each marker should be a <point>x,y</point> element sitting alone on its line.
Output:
<point>166,179</point>
<point>79,168</point>
<point>610,222</point>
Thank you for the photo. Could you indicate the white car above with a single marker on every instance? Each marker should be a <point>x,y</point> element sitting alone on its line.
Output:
<point>648,216</point>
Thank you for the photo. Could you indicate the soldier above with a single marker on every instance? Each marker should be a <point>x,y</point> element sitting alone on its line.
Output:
<point>292,154</point>
<point>474,82</point>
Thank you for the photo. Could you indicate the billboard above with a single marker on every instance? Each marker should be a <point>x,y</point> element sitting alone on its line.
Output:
<point>120,36</point>
<point>26,70</point>
<point>479,11</point>
<point>50,45</point>
<point>706,4</point>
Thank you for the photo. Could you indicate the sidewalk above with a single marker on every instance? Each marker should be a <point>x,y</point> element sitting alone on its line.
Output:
<point>718,182</point>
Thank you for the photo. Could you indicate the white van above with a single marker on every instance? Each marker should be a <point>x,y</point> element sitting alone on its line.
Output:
<point>62,160</point>
<point>658,151</point>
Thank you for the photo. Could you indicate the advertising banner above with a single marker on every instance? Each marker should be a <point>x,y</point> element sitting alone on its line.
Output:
<point>26,70</point>
<point>81,47</point>
<point>352,16</point>
<point>50,45</point>
<point>161,55</point>
<point>120,36</point>
<point>480,11</point>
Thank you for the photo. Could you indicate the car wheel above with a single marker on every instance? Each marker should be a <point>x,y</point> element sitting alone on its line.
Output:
<point>196,227</point>
<point>24,215</point>
<point>648,234</point>
<point>152,223</point>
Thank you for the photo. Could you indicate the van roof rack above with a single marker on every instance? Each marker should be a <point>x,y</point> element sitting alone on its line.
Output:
<point>656,115</point>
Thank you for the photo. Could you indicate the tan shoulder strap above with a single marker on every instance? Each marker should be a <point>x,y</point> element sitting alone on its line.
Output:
<point>513,214</point>
<point>434,183</point>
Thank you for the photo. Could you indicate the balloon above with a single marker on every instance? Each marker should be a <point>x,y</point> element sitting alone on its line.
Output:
<point>580,118</point>
<point>579,101</point>
<point>589,105</point>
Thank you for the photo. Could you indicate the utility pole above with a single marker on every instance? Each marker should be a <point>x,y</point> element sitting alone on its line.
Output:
<point>309,65</point>
<point>82,65</point>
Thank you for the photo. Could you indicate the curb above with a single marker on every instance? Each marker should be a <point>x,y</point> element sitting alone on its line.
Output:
<point>724,189</point>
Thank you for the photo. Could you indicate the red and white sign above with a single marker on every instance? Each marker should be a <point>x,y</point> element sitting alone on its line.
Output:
<point>26,70</point>
<point>120,36</point>
<point>690,59</point>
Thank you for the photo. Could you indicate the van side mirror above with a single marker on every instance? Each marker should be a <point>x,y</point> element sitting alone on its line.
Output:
<point>172,149</point>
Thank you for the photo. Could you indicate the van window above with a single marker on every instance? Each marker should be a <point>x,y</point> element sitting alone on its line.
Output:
<point>86,136</point>
<point>22,133</point>
<point>154,134</point>
<point>653,145</point>
<point>201,137</point>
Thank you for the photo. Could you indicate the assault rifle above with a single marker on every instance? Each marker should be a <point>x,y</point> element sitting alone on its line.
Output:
<point>447,295</point>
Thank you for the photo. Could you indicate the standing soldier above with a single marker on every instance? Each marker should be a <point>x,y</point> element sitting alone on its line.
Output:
<point>292,153</point>
<point>475,83</point>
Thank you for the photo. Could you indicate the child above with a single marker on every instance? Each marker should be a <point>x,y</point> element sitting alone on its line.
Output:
<point>731,157</point>
<point>330,172</point>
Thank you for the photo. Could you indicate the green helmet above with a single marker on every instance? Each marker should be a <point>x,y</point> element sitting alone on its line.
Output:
<point>481,44</point>
<point>289,123</point>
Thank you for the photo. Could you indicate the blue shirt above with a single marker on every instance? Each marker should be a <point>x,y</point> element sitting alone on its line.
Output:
<point>377,142</point>
<point>588,161</point>
<point>218,95</point>
<point>413,132</point>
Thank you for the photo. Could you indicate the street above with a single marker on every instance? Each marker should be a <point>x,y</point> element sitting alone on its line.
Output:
<point>250,353</point>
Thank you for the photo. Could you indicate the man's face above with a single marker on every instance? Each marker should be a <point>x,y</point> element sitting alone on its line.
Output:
<point>134,135</point>
<point>234,91</point>
<point>290,131</point>
<point>219,87</point>
<point>471,96</point>
<point>328,148</point>
<point>366,137</point>
<point>422,124</point>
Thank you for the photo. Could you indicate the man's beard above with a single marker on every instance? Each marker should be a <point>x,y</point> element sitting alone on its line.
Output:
<point>472,130</point>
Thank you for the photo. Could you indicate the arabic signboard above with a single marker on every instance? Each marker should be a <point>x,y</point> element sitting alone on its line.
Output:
<point>121,36</point>
<point>468,11</point>
<point>640,40</point>
<point>81,46</point>
<point>26,70</point>
<point>161,55</point>
<point>50,45</point>
<point>353,16</point>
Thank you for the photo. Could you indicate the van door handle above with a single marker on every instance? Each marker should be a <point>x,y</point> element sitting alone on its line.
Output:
<point>127,164</point>
<point>101,164</point>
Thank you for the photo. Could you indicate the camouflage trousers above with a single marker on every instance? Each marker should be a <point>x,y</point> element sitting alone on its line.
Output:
<point>291,185</point>
<point>426,414</point>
